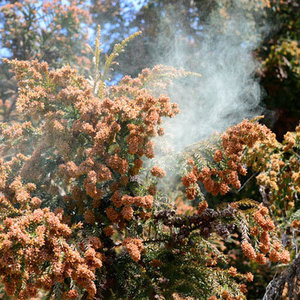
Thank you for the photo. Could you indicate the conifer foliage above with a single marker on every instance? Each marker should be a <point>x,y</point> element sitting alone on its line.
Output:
<point>83,216</point>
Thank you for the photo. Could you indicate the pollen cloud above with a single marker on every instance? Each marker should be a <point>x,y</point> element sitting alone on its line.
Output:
<point>227,90</point>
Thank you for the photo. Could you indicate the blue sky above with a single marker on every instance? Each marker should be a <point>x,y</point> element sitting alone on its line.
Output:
<point>136,3</point>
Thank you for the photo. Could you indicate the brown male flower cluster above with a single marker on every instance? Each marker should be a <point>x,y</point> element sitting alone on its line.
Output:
<point>295,224</point>
<point>101,122</point>
<point>232,271</point>
<point>158,172</point>
<point>134,248</point>
<point>43,240</point>
<point>86,148</point>
<point>279,171</point>
<point>202,207</point>
<point>234,141</point>
<point>262,218</point>
<point>248,250</point>
<point>266,245</point>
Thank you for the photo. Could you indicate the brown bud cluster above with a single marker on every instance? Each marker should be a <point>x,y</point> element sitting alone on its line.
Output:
<point>234,141</point>
<point>264,231</point>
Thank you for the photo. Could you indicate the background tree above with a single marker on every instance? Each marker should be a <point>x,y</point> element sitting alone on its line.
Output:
<point>51,31</point>
<point>280,71</point>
